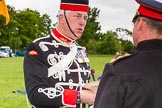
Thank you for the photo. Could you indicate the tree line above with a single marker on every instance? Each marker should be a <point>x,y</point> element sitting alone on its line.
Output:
<point>27,25</point>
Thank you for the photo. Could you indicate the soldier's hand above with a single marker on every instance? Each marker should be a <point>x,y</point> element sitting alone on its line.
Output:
<point>87,96</point>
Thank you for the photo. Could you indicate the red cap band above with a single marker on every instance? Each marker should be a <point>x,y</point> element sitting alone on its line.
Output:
<point>149,13</point>
<point>74,7</point>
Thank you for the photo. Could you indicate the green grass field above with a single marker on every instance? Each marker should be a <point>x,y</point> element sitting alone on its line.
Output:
<point>12,79</point>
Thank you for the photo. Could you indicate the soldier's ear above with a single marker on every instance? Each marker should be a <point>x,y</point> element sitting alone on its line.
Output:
<point>142,25</point>
<point>139,24</point>
<point>61,18</point>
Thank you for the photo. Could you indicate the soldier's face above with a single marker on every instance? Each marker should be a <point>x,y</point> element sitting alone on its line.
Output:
<point>77,21</point>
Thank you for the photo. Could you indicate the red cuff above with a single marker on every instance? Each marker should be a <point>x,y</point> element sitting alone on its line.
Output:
<point>70,97</point>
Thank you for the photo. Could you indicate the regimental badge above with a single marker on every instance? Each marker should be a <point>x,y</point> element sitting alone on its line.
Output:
<point>81,56</point>
<point>33,53</point>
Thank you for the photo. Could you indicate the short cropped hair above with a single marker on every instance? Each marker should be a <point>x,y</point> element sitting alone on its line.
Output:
<point>62,12</point>
<point>154,24</point>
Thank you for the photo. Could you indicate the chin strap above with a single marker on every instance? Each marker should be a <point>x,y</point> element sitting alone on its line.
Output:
<point>69,25</point>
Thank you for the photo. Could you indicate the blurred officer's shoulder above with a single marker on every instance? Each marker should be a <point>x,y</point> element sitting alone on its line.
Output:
<point>120,57</point>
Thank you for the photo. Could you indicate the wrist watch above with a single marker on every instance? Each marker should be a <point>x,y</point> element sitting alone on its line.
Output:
<point>78,101</point>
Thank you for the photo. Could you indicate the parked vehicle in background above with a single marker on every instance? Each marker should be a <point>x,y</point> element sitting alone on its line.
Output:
<point>3,54</point>
<point>7,49</point>
<point>9,53</point>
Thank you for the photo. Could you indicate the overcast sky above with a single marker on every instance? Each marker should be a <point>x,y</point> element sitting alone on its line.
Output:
<point>113,13</point>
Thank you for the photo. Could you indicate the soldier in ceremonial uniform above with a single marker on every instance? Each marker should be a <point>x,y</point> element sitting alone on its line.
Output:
<point>55,67</point>
<point>135,81</point>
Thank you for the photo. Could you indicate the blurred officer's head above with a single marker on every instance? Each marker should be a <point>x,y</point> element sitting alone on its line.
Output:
<point>147,21</point>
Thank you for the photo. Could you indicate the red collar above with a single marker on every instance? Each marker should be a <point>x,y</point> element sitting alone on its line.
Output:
<point>60,36</point>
